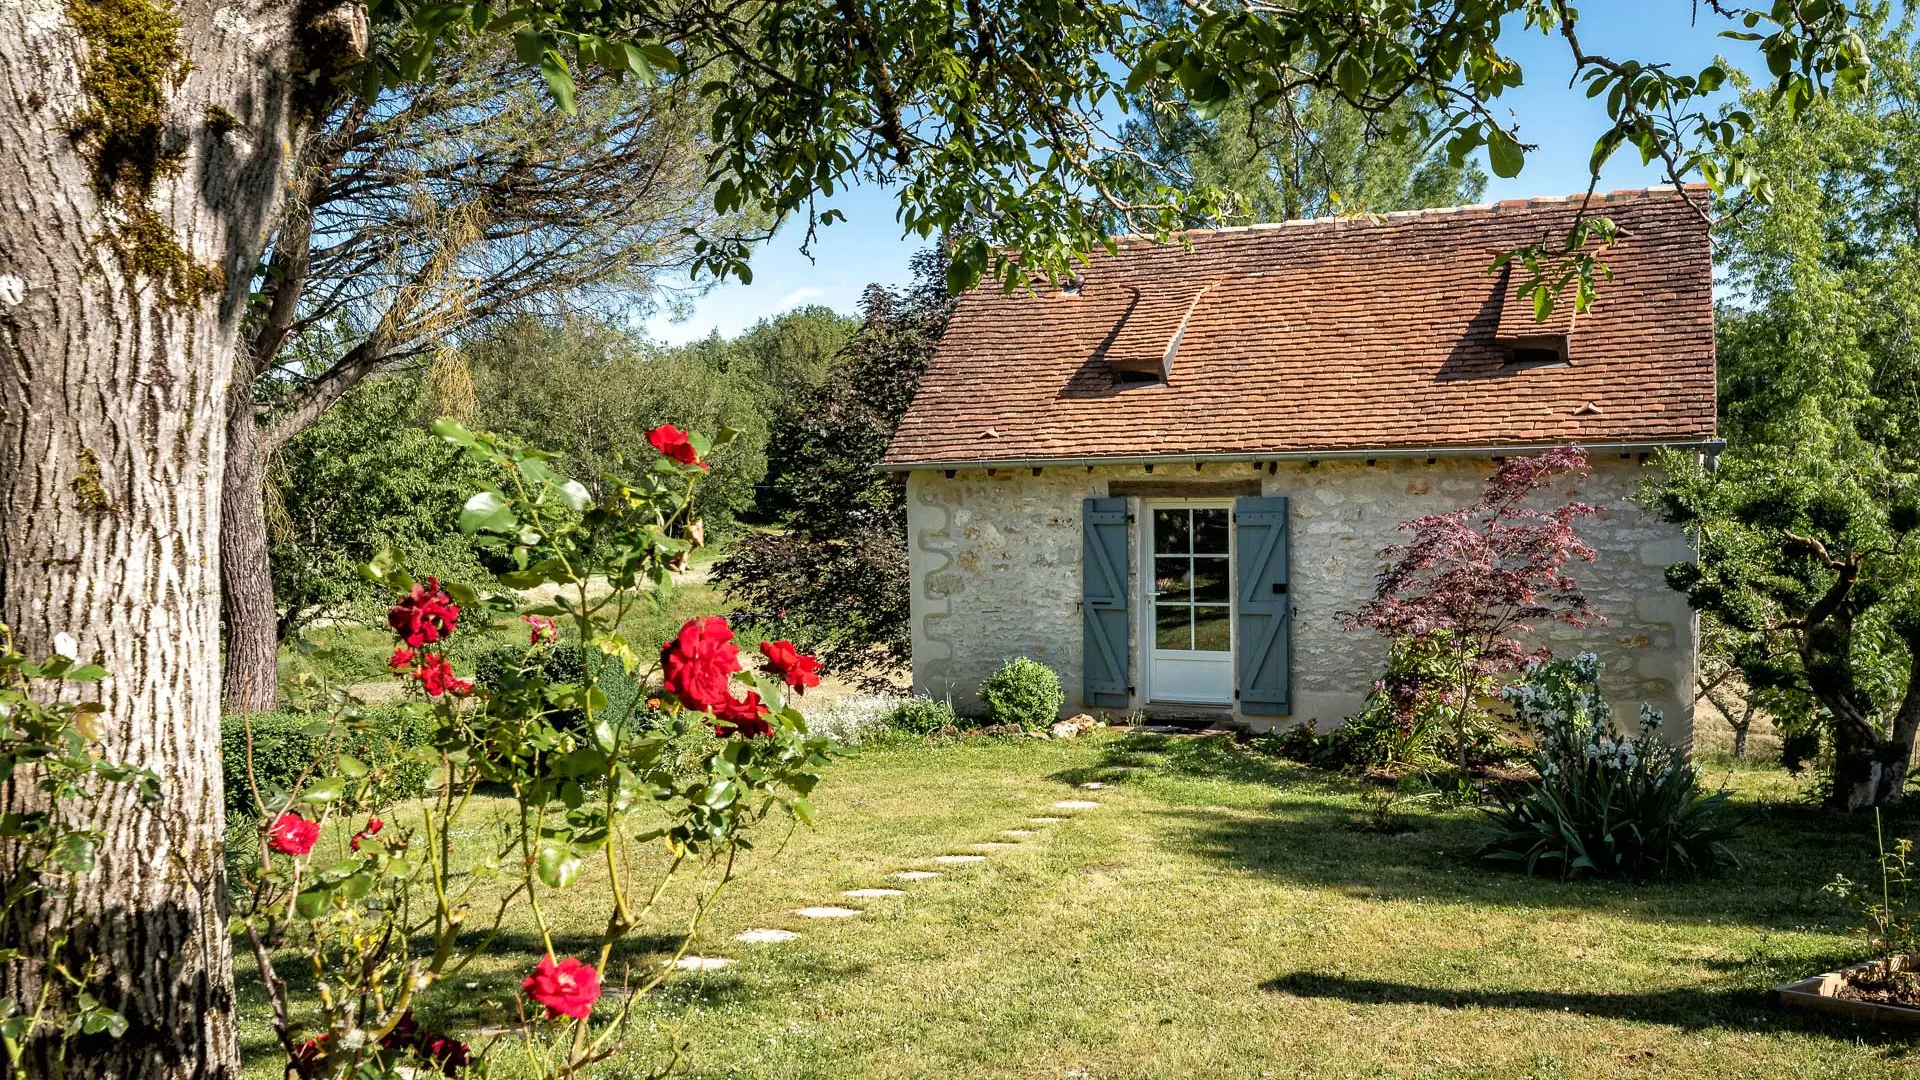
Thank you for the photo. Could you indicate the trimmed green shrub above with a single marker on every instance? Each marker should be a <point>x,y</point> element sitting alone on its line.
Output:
<point>565,662</point>
<point>920,715</point>
<point>1607,804</point>
<point>1024,692</point>
<point>287,744</point>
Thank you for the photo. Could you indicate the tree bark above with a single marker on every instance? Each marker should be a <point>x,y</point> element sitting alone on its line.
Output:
<point>252,615</point>
<point>121,296</point>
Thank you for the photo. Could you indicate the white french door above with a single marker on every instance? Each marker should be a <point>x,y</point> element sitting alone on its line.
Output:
<point>1189,608</point>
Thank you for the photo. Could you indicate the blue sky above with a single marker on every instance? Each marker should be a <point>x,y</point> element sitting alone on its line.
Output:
<point>868,246</point>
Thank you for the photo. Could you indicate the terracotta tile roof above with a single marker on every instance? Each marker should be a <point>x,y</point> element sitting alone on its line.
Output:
<point>1355,334</point>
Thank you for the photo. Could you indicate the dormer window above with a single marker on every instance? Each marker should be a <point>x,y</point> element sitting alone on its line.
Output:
<point>1525,340</point>
<point>1142,349</point>
<point>1536,351</point>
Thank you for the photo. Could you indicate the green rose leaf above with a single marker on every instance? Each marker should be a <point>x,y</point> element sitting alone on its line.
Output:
<point>557,865</point>
<point>324,790</point>
<point>486,511</point>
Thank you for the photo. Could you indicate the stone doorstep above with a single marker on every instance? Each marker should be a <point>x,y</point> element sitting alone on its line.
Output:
<point>828,912</point>
<point>1819,994</point>
<point>993,845</point>
<point>1046,820</point>
<point>1021,833</point>
<point>1093,785</point>
<point>914,875</point>
<point>1075,804</point>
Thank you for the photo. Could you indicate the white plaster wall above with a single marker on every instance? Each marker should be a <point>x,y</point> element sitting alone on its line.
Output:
<point>996,574</point>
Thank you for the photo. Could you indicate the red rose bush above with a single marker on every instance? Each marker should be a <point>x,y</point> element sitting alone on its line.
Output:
<point>383,909</point>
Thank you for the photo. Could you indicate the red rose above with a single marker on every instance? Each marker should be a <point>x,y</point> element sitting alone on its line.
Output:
<point>292,834</point>
<point>374,825</point>
<point>308,1057</point>
<point>436,677</point>
<point>401,659</point>
<point>450,1054</point>
<point>568,988</point>
<point>798,669</point>
<point>744,718</point>
<point>674,443</point>
<point>424,615</point>
<point>539,629</point>
<point>698,664</point>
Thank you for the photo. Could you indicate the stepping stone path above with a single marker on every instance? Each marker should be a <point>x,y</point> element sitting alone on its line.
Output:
<point>702,963</point>
<point>764,936</point>
<point>770,935</point>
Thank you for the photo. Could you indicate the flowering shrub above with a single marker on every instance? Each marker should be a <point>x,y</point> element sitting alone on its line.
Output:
<point>382,909</point>
<point>1473,578</point>
<point>1608,803</point>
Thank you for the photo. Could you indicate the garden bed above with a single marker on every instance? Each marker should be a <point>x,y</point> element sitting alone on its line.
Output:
<point>1862,992</point>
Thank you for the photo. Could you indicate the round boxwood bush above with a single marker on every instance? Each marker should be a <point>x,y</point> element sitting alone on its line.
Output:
<point>565,662</point>
<point>289,744</point>
<point>1023,692</point>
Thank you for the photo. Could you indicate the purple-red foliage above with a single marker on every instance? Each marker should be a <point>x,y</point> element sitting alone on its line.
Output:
<point>1487,572</point>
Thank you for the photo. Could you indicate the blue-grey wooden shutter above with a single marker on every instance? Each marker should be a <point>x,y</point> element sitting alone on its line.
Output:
<point>1103,581</point>
<point>1264,610</point>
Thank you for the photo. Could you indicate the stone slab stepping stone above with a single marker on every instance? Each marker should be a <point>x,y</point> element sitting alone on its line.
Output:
<point>873,894</point>
<point>1046,820</point>
<point>1093,785</point>
<point>992,845</point>
<point>1075,804</point>
<point>1021,833</point>
<point>765,936</point>
<point>914,875</point>
<point>702,963</point>
<point>959,858</point>
<point>826,912</point>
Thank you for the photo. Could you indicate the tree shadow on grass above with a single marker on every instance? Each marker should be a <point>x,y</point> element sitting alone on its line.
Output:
<point>1687,1008</point>
<point>1210,757</point>
<point>1317,843</point>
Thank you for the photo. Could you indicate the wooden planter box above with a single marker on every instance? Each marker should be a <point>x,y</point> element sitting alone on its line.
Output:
<point>1820,994</point>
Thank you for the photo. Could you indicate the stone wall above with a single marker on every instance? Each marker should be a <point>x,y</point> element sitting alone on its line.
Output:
<point>996,574</point>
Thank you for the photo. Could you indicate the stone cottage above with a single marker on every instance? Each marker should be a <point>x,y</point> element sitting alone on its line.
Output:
<point>1166,479</point>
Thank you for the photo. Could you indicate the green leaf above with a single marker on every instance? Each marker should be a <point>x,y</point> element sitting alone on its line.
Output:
<point>1504,154</point>
<point>324,790</point>
<point>557,865</point>
<point>75,853</point>
<point>803,809</point>
<point>350,767</point>
<point>486,511</point>
<point>559,81</point>
<point>313,903</point>
<point>575,495</point>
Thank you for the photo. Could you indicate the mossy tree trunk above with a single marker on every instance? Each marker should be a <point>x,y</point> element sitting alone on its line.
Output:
<point>143,150</point>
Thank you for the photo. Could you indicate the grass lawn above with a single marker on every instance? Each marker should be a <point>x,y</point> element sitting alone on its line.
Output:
<point>1223,915</point>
